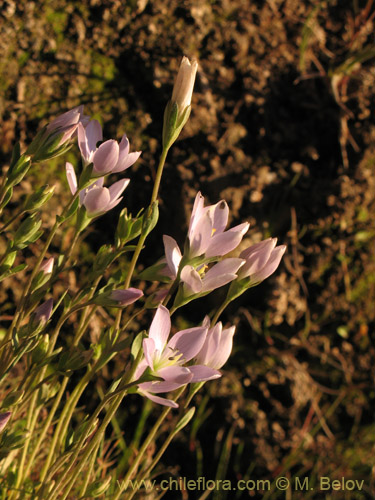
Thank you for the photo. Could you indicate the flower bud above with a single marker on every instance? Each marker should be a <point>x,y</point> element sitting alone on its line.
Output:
<point>43,312</point>
<point>4,417</point>
<point>37,199</point>
<point>178,108</point>
<point>47,265</point>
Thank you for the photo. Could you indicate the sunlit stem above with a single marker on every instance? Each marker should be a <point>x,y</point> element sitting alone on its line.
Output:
<point>145,445</point>
<point>142,238</point>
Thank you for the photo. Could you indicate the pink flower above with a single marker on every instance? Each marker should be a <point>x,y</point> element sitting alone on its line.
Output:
<point>67,124</point>
<point>262,259</point>
<point>217,346</point>
<point>165,358</point>
<point>109,157</point>
<point>207,233</point>
<point>184,84</point>
<point>96,198</point>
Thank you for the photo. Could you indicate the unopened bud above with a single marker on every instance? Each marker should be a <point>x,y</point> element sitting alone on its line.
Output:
<point>43,312</point>
<point>178,108</point>
<point>37,199</point>
<point>4,417</point>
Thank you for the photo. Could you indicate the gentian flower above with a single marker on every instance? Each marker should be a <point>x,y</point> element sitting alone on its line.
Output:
<point>96,198</point>
<point>184,84</point>
<point>165,358</point>
<point>217,346</point>
<point>66,124</point>
<point>109,157</point>
<point>207,235</point>
<point>177,111</point>
<point>262,259</point>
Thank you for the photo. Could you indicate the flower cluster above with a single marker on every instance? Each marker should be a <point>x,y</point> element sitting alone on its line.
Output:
<point>169,360</point>
<point>110,157</point>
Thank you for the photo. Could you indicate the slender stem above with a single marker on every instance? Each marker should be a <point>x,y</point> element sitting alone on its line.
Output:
<point>89,470</point>
<point>145,445</point>
<point>11,220</point>
<point>142,238</point>
<point>18,314</point>
<point>219,311</point>
<point>159,173</point>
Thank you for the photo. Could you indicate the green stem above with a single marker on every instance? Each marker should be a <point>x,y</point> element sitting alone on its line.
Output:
<point>118,397</point>
<point>143,237</point>
<point>89,470</point>
<point>144,447</point>
<point>219,311</point>
<point>18,314</point>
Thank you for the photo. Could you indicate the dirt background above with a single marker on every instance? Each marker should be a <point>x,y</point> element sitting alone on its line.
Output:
<point>283,128</point>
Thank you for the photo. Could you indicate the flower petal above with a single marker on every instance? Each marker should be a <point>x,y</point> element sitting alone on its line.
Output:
<point>160,328</point>
<point>188,342</point>
<point>191,278</point>
<point>105,157</point>
<point>172,254</point>
<point>158,399</point>
<point>71,177</point>
<point>202,373</point>
<point>96,200</point>
<point>176,374</point>
<point>220,214</point>
<point>223,243</point>
<point>271,266</point>
<point>117,188</point>
<point>201,236</point>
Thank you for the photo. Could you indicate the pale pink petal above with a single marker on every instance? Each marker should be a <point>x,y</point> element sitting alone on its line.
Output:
<point>211,345</point>
<point>257,258</point>
<point>196,212</point>
<point>230,265</point>
<point>224,345</point>
<point>188,342</point>
<point>96,200</point>
<point>105,157</point>
<point>268,243</point>
<point>191,278</point>
<point>172,254</point>
<point>203,373</point>
<point>149,351</point>
<point>175,374</point>
<point>113,204</point>
<point>165,385</point>
<point>223,243</point>
<point>159,400</point>
<point>240,228</point>
<point>127,162</point>
<point>201,236</point>
<point>160,327</point>
<point>71,177</point>
<point>220,213</point>
<point>117,188</point>
<point>271,265</point>
<point>217,281</point>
